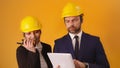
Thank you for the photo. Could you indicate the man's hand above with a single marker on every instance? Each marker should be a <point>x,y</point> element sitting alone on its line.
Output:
<point>58,66</point>
<point>29,45</point>
<point>78,64</point>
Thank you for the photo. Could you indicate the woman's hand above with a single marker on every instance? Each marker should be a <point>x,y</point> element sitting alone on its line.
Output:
<point>29,45</point>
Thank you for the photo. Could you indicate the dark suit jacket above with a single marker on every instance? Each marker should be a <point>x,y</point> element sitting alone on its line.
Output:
<point>91,50</point>
<point>27,59</point>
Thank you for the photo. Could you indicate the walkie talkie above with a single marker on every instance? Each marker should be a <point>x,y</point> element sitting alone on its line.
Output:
<point>20,42</point>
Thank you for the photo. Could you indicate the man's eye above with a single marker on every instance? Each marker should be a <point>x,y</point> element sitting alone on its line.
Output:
<point>75,20</point>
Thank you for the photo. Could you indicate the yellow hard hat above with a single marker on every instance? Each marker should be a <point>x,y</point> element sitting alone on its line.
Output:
<point>71,10</point>
<point>30,23</point>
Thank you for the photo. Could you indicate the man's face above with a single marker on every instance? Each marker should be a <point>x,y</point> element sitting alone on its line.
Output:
<point>73,24</point>
<point>33,35</point>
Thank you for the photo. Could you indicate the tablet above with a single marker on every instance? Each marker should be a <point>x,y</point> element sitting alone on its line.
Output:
<point>63,59</point>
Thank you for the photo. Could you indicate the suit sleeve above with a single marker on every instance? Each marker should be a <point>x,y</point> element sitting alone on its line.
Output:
<point>27,59</point>
<point>101,59</point>
<point>56,47</point>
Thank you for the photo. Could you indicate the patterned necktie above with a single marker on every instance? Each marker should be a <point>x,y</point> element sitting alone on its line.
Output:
<point>76,46</point>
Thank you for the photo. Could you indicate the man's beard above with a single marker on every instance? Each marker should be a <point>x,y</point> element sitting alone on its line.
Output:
<point>73,30</point>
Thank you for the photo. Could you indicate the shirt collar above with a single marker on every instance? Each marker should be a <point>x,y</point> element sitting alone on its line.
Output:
<point>79,34</point>
<point>39,45</point>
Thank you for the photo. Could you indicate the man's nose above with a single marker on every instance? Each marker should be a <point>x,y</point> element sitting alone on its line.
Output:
<point>71,23</point>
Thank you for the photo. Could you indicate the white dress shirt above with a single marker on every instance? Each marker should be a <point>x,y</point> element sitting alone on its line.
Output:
<point>73,39</point>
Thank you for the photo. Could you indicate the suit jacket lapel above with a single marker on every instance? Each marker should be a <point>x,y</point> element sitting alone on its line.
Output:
<point>82,41</point>
<point>69,45</point>
<point>82,44</point>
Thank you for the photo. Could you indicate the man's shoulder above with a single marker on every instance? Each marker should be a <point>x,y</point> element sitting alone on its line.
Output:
<point>62,38</point>
<point>89,35</point>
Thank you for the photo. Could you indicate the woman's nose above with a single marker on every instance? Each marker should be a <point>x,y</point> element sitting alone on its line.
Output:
<point>33,35</point>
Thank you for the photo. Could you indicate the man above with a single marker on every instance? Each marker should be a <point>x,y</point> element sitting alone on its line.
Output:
<point>32,53</point>
<point>86,50</point>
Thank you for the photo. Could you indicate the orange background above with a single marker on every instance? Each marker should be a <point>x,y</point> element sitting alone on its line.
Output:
<point>101,18</point>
